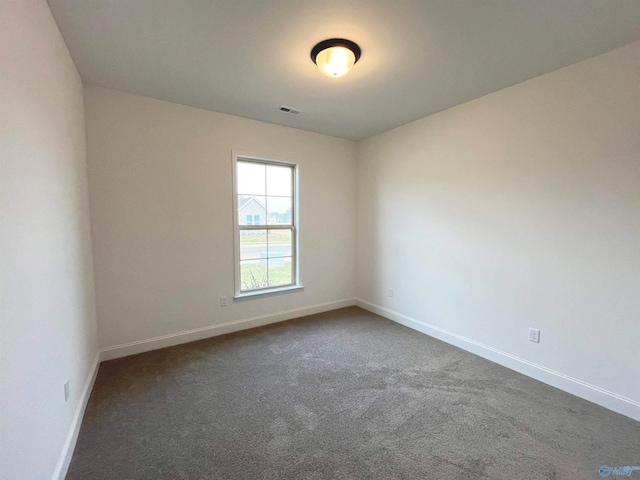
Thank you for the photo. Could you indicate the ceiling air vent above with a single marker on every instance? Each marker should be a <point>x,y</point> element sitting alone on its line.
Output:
<point>289,110</point>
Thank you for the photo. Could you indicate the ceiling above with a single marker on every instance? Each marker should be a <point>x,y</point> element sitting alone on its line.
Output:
<point>248,57</point>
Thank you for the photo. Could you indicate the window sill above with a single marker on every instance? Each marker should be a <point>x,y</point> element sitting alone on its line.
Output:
<point>258,293</point>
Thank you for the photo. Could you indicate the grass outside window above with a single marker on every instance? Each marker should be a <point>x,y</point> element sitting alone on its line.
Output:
<point>255,274</point>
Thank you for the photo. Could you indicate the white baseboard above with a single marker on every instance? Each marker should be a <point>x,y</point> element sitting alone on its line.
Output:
<point>592,393</point>
<point>155,343</point>
<point>62,466</point>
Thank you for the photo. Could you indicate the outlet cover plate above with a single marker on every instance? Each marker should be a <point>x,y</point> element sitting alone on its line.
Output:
<point>534,335</point>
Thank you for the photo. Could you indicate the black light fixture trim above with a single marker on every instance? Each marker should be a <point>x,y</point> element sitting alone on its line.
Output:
<point>336,42</point>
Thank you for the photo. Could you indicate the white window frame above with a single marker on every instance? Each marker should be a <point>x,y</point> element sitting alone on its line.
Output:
<point>295,257</point>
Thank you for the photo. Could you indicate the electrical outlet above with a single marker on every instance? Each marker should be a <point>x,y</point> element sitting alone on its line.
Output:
<point>223,301</point>
<point>390,292</point>
<point>66,390</point>
<point>534,335</point>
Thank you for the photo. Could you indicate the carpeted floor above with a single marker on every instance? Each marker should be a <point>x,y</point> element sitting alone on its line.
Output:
<point>340,395</point>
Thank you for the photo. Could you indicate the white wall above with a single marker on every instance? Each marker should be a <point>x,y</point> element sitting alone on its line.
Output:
<point>518,209</point>
<point>160,183</point>
<point>47,308</point>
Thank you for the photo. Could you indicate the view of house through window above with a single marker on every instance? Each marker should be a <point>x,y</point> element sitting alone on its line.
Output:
<point>266,233</point>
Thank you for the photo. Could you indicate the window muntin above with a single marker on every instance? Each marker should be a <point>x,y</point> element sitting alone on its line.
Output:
<point>266,235</point>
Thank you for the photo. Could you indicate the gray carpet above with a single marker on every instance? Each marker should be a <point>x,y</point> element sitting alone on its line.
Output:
<point>340,395</point>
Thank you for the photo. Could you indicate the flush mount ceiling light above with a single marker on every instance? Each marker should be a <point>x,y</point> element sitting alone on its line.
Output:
<point>336,56</point>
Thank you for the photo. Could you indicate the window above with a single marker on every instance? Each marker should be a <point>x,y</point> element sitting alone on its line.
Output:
<point>253,219</point>
<point>265,199</point>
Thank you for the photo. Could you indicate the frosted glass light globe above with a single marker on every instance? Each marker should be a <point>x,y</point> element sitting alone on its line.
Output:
<point>335,61</point>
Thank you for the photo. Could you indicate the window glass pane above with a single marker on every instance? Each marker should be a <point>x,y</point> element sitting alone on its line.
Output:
<point>251,210</point>
<point>265,198</point>
<point>251,178</point>
<point>280,271</point>
<point>253,274</point>
<point>253,243</point>
<point>279,243</point>
<point>279,210</point>
<point>279,180</point>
